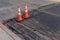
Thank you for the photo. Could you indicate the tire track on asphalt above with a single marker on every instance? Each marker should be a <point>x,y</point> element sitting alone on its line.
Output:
<point>34,31</point>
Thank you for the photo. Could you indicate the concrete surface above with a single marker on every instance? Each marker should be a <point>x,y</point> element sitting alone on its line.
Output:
<point>55,0</point>
<point>4,35</point>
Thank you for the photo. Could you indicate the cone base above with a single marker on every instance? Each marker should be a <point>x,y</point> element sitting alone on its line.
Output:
<point>19,21</point>
<point>26,15</point>
<point>19,18</point>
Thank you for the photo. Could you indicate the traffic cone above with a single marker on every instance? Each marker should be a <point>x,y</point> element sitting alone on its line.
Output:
<point>19,16</point>
<point>26,15</point>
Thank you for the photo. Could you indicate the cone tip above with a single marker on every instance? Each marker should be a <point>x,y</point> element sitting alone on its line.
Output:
<point>25,4</point>
<point>18,6</point>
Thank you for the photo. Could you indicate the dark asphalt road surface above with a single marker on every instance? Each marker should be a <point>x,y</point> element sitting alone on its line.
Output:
<point>41,24</point>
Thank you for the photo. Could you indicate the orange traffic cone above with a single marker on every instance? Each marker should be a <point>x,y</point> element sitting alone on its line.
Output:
<point>19,16</point>
<point>26,15</point>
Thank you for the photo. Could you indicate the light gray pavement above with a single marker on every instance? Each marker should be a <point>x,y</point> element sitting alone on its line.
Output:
<point>4,36</point>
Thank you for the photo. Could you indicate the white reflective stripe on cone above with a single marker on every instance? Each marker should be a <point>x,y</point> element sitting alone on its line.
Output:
<point>26,10</point>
